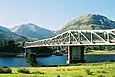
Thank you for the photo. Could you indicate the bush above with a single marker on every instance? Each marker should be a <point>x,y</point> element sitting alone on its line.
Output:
<point>24,70</point>
<point>58,75</point>
<point>89,72</point>
<point>5,70</point>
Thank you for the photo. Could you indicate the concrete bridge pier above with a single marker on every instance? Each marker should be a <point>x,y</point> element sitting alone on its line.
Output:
<point>75,54</point>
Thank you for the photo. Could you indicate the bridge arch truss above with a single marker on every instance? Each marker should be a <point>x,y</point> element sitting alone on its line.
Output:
<point>77,38</point>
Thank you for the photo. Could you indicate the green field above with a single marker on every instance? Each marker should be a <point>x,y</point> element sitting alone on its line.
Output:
<point>106,69</point>
<point>101,52</point>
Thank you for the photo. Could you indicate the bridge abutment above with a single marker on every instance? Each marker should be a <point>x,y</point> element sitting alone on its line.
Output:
<point>75,54</point>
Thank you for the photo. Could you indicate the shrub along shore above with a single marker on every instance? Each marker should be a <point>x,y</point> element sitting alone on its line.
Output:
<point>105,69</point>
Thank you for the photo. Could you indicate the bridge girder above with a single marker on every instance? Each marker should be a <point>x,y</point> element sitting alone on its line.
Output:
<point>77,38</point>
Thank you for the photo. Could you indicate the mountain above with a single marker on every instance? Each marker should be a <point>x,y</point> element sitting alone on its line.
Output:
<point>89,22</point>
<point>6,34</point>
<point>32,31</point>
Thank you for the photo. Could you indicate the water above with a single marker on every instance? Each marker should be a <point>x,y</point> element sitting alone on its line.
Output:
<point>53,60</point>
<point>99,58</point>
<point>13,62</point>
<point>21,62</point>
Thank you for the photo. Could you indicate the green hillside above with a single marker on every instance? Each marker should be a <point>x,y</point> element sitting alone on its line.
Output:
<point>88,22</point>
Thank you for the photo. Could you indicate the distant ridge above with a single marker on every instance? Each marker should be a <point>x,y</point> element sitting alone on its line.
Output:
<point>6,34</point>
<point>32,31</point>
<point>89,22</point>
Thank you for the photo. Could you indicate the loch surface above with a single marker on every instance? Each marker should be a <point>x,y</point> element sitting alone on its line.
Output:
<point>53,60</point>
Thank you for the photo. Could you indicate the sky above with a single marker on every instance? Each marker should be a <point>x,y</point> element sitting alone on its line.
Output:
<point>51,14</point>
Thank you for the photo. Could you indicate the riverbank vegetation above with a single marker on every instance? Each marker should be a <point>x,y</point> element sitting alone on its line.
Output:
<point>100,52</point>
<point>99,48</point>
<point>11,46</point>
<point>105,69</point>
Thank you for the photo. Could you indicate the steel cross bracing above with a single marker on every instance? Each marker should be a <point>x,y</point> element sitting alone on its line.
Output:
<point>77,37</point>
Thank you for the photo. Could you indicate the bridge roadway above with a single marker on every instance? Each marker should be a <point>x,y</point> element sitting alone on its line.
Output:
<point>75,40</point>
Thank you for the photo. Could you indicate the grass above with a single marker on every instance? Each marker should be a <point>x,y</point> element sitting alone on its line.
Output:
<point>100,52</point>
<point>106,69</point>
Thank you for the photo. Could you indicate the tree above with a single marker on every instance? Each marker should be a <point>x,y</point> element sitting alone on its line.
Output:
<point>31,59</point>
<point>11,46</point>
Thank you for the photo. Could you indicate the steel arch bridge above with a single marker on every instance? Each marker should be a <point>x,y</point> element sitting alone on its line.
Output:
<point>77,38</point>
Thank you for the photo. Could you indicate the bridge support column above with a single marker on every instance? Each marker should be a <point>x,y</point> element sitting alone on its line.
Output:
<point>75,54</point>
